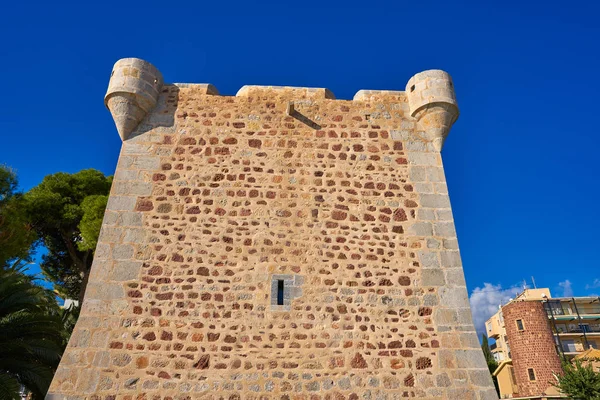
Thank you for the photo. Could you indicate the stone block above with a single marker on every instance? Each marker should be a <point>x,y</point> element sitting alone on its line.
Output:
<point>432,277</point>
<point>444,229</point>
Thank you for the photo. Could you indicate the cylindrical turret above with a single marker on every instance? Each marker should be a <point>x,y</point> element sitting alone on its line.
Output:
<point>432,102</point>
<point>132,93</point>
<point>532,347</point>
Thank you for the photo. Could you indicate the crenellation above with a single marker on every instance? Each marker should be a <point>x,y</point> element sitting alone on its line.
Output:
<point>217,198</point>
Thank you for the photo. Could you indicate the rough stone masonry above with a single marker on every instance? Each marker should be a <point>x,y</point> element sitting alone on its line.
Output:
<point>276,244</point>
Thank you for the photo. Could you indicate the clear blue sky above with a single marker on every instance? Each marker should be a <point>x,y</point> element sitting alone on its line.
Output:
<point>521,162</point>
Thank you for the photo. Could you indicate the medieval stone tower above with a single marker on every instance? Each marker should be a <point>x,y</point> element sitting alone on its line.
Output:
<point>276,244</point>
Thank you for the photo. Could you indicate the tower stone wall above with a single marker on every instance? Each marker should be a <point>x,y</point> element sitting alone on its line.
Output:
<point>219,202</point>
<point>531,347</point>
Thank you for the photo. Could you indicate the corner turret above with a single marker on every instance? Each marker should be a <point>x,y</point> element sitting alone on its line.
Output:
<point>132,93</point>
<point>432,102</point>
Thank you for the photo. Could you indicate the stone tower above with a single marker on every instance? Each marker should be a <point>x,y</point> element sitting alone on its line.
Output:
<point>533,350</point>
<point>276,244</point>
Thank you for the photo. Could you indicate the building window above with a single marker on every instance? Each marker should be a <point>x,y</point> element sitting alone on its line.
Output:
<point>280,288</point>
<point>520,325</point>
<point>284,289</point>
<point>531,374</point>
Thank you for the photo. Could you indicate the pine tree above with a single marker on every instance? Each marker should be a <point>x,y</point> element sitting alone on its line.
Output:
<point>579,382</point>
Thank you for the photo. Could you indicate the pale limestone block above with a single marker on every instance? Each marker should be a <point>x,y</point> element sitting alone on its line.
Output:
<point>450,259</point>
<point>131,219</point>
<point>429,259</point>
<point>100,339</point>
<point>125,271</point>
<point>488,394</point>
<point>146,162</point>
<point>435,201</point>
<point>125,162</point>
<point>442,380</point>
<point>100,269</point>
<point>455,297</point>
<point>450,244</point>
<point>446,359</point>
<point>134,236</point>
<point>432,277</point>
<point>422,146</point>
<point>421,229</point>
<point>430,300</point>
<point>469,341</point>
<point>464,315</point>
<point>102,251</point>
<point>423,188</point>
<point>132,148</point>
<point>455,277</point>
<point>80,338</point>
<point>417,174</point>
<point>122,252</point>
<point>444,229</point>
<point>87,381</point>
<point>121,203</point>
<point>436,174</point>
<point>126,174</point>
<point>110,218</point>
<point>440,188</point>
<point>132,188</point>
<point>444,215</point>
<point>417,158</point>
<point>444,316</point>
<point>471,359</point>
<point>461,393</point>
<point>426,214</point>
<point>110,291</point>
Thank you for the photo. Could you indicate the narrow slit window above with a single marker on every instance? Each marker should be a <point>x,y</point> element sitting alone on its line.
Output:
<point>520,325</point>
<point>280,288</point>
<point>531,373</point>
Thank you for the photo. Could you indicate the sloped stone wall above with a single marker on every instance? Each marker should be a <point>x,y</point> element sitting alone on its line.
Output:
<point>216,196</point>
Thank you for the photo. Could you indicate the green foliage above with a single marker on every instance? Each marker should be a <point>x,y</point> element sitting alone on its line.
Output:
<point>65,211</point>
<point>491,362</point>
<point>579,382</point>
<point>32,335</point>
<point>16,235</point>
<point>93,211</point>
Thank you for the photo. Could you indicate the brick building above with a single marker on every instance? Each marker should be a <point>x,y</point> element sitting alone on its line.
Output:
<point>276,244</point>
<point>533,352</point>
<point>533,332</point>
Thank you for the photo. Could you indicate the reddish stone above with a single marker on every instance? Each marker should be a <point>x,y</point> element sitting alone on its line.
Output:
<point>358,361</point>
<point>423,363</point>
<point>203,362</point>
<point>400,215</point>
<point>142,362</point>
<point>425,311</point>
<point>409,380</point>
<point>338,215</point>
<point>404,281</point>
<point>255,143</point>
<point>144,205</point>
<point>410,203</point>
